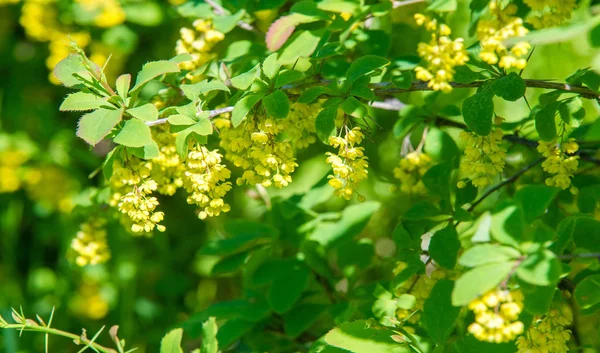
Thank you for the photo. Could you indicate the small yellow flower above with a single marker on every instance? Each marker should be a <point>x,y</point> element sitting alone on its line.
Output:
<point>548,333</point>
<point>410,172</point>
<point>90,244</point>
<point>483,159</point>
<point>549,13</point>
<point>492,34</point>
<point>349,163</point>
<point>442,55</point>
<point>560,162</point>
<point>496,316</point>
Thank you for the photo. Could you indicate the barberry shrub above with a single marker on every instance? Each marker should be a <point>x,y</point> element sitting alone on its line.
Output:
<point>306,176</point>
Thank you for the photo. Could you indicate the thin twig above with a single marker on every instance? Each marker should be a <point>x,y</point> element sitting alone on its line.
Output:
<point>211,114</point>
<point>510,180</point>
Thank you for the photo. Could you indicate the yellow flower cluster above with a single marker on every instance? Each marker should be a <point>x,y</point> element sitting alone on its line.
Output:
<point>8,2</point>
<point>349,163</point>
<point>10,170</point>
<point>38,19</point>
<point>56,197</point>
<point>549,13</point>
<point>205,180</point>
<point>88,301</point>
<point>198,42</point>
<point>560,161</point>
<point>265,148</point>
<point>420,287</point>
<point>483,158</point>
<point>89,245</point>
<point>548,334</point>
<point>108,13</point>
<point>132,188</point>
<point>442,55</point>
<point>410,172</point>
<point>494,32</point>
<point>496,316</point>
<point>167,169</point>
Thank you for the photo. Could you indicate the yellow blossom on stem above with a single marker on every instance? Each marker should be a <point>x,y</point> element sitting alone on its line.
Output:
<point>442,55</point>
<point>549,13</point>
<point>38,19</point>
<point>90,244</point>
<point>560,162</point>
<point>483,159</point>
<point>205,181</point>
<point>496,316</point>
<point>548,333</point>
<point>198,42</point>
<point>349,163</point>
<point>411,170</point>
<point>493,32</point>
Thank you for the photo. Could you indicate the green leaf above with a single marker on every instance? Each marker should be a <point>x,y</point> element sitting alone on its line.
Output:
<point>181,119</point>
<point>421,210</point>
<point>541,268</point>
<point>403,79</point>
<point>309,95</point>
<point>146,112</point>
<point>442,6</point>
<point>209,337</point>
<point>94,126</point>
<point>202,127</point>
<point>586,233</point>
<point>229,264</point>
<point>485,254</point>
<point>277,104</point>
<point>287,288</point>
<point>510,87</point>
<point>355,108</point>
<point>301,45</point>
<point>244,80</point>
<point>232,330</point>
<point>68,66</point>
<point>353,220</point>
<point>325,123</point>
<point>193,91</point>
<point>286,77</point>
<point>301,318</point>
<point>152,70</point>
<point>444,247</point>
<point>145,152</point>
<point>534,200</point>
<point>439,315</point>
<point>353,254</point>
<point>123,84</point>
<point>243,106</point>
<point>242,235</point>
<point>437,180</point>
<point>508,226</point>
<point>362,91</point>
<point>135,133</point>
<point>148,14</point>
<point>545,122</point>
<point>81,101</point>
<point>364,65</point>
<point>478,281</point>
<point>478,111</point>
<point>537,299</point>
<point>587,292</point>
<point>361,337</point>
<point>171,342</point>
<point>225,24</point>
<point>271,67</point>
<point>572,112</point>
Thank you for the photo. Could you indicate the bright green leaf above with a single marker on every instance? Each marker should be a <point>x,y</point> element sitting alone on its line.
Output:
<point>243,106</point>
<point>355,108</point>
<point>479,280</point>
<point>444,247</point>
<point>438,313</point>
<point>587,292</point>
<point>123,84</point>
<point>277,104</point>
<point>485,254</point>
<point>478,111</point>
<point>363,66</point>
<point>510,87</point>
<point>94,126</point>
<point>152,70</point>
<point>541,268</point>
<point>325,123</point>
<point>135,133</point>
<point>146,112</point>
<point>360,337</point>
<point>81,101</point>
<point>545,122</point>
<point>209,337</point>
<point>171,342</point>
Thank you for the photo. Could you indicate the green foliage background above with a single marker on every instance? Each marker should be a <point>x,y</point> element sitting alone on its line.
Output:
<point>274,272</point>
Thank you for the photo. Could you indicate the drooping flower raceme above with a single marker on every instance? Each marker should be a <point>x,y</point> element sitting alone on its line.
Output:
<point>349,163</point>
<point>483,159</point>
<point>496,316</point>
<point>411,170</point>
<point>206,181</point>
<point>493,32</point>
<point>442,55</point>
<point>548,333</point>
<point>560,162</point>
<point>198,42</point>
<point>549,13</point>
<point>89,245</point>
